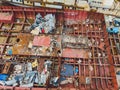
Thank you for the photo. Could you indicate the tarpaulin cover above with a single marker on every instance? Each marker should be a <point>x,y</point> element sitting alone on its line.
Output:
<point>3,77</point>
<point>68,70</point>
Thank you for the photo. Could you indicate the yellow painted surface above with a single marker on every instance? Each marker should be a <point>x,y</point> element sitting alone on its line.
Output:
<point>28,3</point>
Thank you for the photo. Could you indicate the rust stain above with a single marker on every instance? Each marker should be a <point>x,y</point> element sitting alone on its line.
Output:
<point>101,46</point>
<point>22,46</point>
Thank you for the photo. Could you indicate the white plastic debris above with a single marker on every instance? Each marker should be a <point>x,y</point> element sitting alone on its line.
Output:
<point>48,62</point>
<point>35,31</point>
<point>55,79</point>
<point>27,85</point>
<point>11,82</point>
<point>43,77</point>
<point>30,45</point>
<point>68,80</point>
<point>15,84</point>
<point>90,55</point>
<point>43,25</point>
<point>88,80</point>
<point>99,54</point>
<point>79,61</point>
<point>29,66</point>
<point>64,82</point>
<point>90,68</point>
<point>36,78</point>
<point>2,83</point>
<point>18,68</point>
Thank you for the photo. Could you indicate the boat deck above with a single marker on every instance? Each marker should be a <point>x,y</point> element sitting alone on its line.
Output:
<point>88,49</point>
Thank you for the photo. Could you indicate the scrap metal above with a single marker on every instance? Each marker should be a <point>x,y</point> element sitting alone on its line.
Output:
<point>91,63</point>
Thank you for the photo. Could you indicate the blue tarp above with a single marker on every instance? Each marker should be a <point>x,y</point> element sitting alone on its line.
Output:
<point>3,77</point>
<point>113,30</point>
<point>68,70</point>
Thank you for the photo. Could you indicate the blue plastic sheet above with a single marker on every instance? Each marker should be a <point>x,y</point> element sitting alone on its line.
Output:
<point>76,70</point>
<point>3,77</point>
<point>68,70</point>
<point>118,73</point>
<point>117,22</point>
<point>10,52</point>
<point>113,30</point>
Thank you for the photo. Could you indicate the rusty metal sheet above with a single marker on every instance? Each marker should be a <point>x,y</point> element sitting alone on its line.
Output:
<point>6,88</point>
<point>6,17</point>
<point>22,88</point>
<point>22,46</point>
<point>39,89</point>
<point>75,53</point>
<point>41,41</point>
